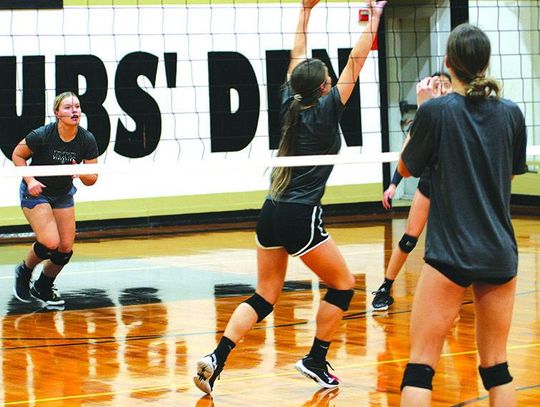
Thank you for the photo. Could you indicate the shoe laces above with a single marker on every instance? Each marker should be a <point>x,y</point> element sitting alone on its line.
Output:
<point>381,290</point>
<point>322,365</point>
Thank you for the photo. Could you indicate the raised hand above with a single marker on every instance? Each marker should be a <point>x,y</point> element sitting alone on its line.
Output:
<point>309,3</point>
<point>376,7</point>
<point>426,89</point>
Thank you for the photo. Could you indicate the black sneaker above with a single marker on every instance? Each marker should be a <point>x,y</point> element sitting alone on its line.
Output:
<point>49,297</point>
<point>317,371</point>
<point>382,299</point>
<point>21,289</point>
<point>208,370</point>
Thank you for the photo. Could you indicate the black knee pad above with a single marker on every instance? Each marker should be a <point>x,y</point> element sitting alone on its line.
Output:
<point>418,375</point>
<point>260,305</point>
<point>60,258</point>
<point>495,375</point>
<point>407,243</point>
<point>339,298</point>
<point>42,251</point>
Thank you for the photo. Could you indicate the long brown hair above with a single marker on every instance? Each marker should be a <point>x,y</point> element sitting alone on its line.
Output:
<point>307,82</point>
<point>468,52</point>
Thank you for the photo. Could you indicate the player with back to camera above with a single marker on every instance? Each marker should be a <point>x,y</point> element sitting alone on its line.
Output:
<point>47,202</point>
<point>290,221</point>
<point>436,85</point>
<point>474,142</point>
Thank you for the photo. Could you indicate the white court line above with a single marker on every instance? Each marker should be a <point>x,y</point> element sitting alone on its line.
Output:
<point>120,270</point>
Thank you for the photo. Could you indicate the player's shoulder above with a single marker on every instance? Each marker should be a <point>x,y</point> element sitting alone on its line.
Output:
<point>43,131</point>
<point>85,134</point>
<point>512,112</point>
<point>444,101</point>
<point>434,106</point>
<point>509,105</point>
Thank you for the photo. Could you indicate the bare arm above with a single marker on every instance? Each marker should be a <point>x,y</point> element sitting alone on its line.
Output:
<point>360,51</point>
<point>299,51</point>
<point>21,154</point>
<point>402,169</point>
<point>425,90</point>
<point>89,179</point>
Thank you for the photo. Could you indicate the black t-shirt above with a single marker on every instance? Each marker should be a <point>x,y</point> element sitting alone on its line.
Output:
<point>317,134</point>
<point>49,149</point>
<point>473,150</point>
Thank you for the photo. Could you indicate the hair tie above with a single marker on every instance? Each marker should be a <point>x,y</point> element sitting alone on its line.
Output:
<point>298,97</point>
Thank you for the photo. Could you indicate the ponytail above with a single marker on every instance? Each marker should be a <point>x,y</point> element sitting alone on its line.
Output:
<point>307,83</point>
<point>281,176</point>
<point>481,88</point>
<point>468,52</point>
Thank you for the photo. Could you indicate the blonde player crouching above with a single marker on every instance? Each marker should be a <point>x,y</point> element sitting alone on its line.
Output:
<point>47,202</point>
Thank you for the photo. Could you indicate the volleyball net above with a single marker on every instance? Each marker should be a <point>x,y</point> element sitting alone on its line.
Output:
<point>183,96</point>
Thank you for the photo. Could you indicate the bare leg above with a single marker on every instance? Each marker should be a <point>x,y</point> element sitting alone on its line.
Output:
<point>436,302</point>
<point>43,223</point>
<point>327,262</point>
<point>272,267</point>
<point>494,305</point>
<point>65,224</point>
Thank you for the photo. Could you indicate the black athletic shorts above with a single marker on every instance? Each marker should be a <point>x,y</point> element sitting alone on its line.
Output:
<point>56,201</point>
<point>461,277</point>
<point>423,186</point>
<point>298,228</point>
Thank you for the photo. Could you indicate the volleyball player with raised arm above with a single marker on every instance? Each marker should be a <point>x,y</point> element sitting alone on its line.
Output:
<point>47,202</point>
<point>474,142</point>
<point>436,85</point>
<point>290,221</point>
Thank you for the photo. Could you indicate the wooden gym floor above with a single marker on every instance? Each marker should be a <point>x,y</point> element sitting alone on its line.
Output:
<point>140,312</point>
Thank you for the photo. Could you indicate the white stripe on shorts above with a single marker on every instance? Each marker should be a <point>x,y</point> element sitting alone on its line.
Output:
<point>299,252</point>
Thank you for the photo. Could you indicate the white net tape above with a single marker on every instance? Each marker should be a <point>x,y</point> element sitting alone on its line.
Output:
<point>299,161</point>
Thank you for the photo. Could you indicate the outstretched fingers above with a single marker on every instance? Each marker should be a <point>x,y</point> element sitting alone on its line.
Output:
<point>309,3</point>
<point>376,7</point>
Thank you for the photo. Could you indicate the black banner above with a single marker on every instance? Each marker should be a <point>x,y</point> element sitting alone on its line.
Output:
<point>30,4</point>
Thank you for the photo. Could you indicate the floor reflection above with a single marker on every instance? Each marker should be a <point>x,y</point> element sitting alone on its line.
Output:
<point>138,316</point>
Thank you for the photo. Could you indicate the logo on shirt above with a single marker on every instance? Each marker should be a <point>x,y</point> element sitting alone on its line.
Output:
<point>64,157</point>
